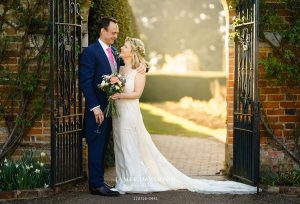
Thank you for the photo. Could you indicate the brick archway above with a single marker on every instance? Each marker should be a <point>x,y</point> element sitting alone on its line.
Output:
<point>275,99</point>
<point>229,65</point>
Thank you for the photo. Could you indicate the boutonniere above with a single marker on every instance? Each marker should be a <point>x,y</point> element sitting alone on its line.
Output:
<point>117,54</point>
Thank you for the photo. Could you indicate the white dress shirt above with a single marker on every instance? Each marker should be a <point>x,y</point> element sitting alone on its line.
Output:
<point>105,46</point>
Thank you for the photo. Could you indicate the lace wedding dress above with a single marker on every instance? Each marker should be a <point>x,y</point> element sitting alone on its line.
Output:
<point>141,168</point>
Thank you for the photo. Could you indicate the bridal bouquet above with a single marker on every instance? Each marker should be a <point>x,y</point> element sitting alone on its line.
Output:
<point>112,84</point>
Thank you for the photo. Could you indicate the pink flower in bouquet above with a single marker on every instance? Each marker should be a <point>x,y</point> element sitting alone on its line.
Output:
<point>114,80</point>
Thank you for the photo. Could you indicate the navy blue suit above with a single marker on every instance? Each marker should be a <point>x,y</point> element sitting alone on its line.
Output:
<point>93,65</point>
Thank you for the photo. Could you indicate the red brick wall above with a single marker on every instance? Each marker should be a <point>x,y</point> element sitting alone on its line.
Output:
<point>229,100</point>
<point>229,96</point>
<point>282,108</point>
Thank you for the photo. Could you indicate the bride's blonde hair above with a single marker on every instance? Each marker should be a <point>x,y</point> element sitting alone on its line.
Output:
<point>138,51</point>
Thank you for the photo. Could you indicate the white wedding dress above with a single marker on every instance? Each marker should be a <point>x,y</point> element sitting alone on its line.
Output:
<point>141,168</point>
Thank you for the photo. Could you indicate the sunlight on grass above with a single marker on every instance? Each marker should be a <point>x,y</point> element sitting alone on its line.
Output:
<point>159,121</point>
<point>156,125</point>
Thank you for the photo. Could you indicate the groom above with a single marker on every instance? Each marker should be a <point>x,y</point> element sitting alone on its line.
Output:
<point>97,60</point>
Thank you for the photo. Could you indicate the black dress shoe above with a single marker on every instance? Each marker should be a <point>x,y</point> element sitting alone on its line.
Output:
<point>108,186</point>
<point>103,191</point>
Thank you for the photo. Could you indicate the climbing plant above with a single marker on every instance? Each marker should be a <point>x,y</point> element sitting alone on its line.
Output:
<point>283,64</point>
<point>24,59</point>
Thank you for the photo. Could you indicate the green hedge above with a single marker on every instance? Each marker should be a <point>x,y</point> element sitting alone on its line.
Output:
<point>121,11</point>
<point>161,88</point>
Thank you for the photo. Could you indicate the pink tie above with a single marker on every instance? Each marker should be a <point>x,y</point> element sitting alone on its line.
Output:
<point>110,56</point>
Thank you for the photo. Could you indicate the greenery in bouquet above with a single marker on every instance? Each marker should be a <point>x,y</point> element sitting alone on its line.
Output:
<point>112,84</point>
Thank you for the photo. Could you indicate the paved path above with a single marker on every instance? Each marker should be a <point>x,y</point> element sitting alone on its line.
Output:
<point>196,157</point>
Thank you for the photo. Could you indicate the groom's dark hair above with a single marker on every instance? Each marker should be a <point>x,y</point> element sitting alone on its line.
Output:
<point>104,22</point>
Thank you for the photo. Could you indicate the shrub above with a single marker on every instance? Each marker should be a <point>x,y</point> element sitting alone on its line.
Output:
<point>281,178</point>
<point>121,11</point>
<point>26,173</point>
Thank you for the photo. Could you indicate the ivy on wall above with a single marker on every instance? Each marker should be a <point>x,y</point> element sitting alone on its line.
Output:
<point>283,35</point>
<point>282,66</point>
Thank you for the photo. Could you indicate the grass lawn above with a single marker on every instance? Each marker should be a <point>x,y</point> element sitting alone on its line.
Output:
<point>158,121</point>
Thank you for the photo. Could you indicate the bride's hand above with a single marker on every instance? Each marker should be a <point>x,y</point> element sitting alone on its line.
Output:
<point>116,96</point>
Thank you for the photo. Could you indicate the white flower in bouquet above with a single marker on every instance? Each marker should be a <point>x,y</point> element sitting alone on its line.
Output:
<point>102,84</point>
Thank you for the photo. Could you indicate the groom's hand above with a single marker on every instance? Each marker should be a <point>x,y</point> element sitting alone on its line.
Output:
<point>99,117</point>
<point>141,68</point>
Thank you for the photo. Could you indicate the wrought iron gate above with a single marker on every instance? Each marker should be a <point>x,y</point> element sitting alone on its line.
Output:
<point>66,99</point>
<point>246,145</point>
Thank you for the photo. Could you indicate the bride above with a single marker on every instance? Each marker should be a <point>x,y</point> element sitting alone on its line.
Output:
<point>140,167</point>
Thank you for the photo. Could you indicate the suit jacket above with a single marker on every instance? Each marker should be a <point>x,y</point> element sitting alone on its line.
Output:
<point>93,65</point>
